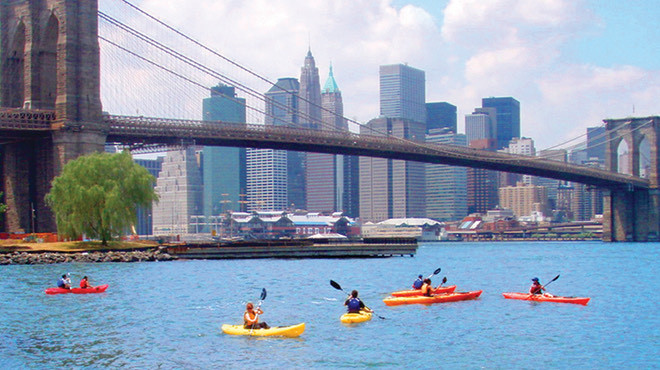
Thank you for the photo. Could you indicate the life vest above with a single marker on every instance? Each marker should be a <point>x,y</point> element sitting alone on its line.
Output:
<point>354,305</point>
<point>84,284</point>
<point>61,283</point>
<point>536,289</point>
<point>427,290</point>
<point>418,284</point>
<point>250,318</point>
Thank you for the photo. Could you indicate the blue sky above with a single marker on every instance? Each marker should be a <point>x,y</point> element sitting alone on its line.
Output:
<point>570,63</point>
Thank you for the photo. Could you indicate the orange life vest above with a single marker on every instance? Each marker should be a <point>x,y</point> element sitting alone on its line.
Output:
<point>250,318</point>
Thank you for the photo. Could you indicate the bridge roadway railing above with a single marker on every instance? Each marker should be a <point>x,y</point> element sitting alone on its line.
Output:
<point>132,130</point>
<point>26,119</point>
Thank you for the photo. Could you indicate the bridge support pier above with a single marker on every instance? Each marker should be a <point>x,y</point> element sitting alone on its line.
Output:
<point>631,216</point>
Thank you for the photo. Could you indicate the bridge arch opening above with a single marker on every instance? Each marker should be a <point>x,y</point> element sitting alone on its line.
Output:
<point>13,93</point>
<point>48,64</point>
<point>644,153</point>
<point>623,164</point>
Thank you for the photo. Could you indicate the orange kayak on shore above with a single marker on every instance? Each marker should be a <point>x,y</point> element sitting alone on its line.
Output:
<point>440,298</point>
<point>546,298</point>
<point>410,293</point>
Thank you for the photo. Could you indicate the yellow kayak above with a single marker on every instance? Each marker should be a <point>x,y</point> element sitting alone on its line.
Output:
<point>349,318</point>
<point>275,331</point>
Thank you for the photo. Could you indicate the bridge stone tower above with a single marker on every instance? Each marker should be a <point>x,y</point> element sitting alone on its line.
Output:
<point>633,214</point>
<point>49,60</point>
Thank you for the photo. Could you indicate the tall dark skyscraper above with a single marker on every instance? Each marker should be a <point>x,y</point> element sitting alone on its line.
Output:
<point>223,168</point>
<point>481,184</point>
<point>440,115</point>
<point>596,143</point>
<point>403,92</point>
<point>508,118</point>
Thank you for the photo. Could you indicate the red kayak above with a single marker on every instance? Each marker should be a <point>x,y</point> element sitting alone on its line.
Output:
<point>96,289</point>
<point>546,298</point>
<point>410,293</point>
<point>440,298</point>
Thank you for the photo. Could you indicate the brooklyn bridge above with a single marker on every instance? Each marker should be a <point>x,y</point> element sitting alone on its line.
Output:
<point>51,113</point>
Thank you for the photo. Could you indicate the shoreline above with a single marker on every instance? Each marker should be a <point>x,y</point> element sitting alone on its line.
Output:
<point>41,258</point>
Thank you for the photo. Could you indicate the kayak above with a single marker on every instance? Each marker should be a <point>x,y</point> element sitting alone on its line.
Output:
<point>275,331</point>
<point>350,318</point>
<point>96,289</point>
<point>410,293</point>
<point>440,298</point>
<point>546,298</point>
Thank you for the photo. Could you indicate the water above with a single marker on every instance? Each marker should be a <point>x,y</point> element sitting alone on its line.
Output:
<point>168,314</point>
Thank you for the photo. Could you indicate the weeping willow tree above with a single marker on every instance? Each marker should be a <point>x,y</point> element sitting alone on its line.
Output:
<point>98,194</point>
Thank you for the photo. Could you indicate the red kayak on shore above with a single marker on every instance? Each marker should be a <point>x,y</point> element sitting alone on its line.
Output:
<point>415,292</point>
<point>546,298</point>
<point>96,289</point>
<point>440,298</point>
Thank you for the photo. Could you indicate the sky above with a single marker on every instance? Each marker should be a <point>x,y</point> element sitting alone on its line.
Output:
<point>570,63</point>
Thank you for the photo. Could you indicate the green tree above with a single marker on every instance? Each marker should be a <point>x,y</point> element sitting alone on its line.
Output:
<point>98,195</point>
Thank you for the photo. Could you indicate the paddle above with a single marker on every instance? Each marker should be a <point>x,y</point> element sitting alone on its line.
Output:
<point>261,299</point>
<point>437,271</point>
<point>444,280</point>
<point>338,287</point>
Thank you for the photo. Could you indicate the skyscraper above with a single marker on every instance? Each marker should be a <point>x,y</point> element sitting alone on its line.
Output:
<point>269,171</point>
<point>144,214</point>
<point>179,186</point>
<point>310,94</point>
<point>392,188</point>
<point>402,92</point>
<point>508,118</point>
<point>446,186</point>
<point>480,132</point>
<point>440,115</point>
<point>325,172</point>
<point>223,172</point>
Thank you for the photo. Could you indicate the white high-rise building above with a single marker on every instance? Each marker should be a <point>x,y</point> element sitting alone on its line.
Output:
<point>266,180</point>
<point>522,146</point>
<point>179,186</point>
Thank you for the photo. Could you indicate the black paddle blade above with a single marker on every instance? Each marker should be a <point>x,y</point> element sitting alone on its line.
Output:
<point>263,294</point>
<point>444,279</point>
<point>556,277</point>
<point>335,285</point>
<point>437,271</point>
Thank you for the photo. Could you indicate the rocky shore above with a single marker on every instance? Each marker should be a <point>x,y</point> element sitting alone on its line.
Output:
<point>35,258</point>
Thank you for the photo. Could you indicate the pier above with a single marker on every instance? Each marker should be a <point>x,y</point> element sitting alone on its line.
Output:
<point>297,248</point>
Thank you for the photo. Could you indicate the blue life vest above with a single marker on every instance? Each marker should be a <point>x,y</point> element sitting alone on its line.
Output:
<point>418,284</point>
<point>61,283</point>
<point>354,305</point>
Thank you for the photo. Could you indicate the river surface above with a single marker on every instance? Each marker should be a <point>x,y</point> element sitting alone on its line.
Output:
<point>168,314</point>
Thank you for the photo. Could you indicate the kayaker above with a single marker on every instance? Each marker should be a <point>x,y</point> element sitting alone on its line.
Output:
<point>251,318</point>
<point>64,282</point>
<point>417,284</point>
<point>536,287</point>
<point>427,288</point>
<point>84,283</point>
<point>355,304</point>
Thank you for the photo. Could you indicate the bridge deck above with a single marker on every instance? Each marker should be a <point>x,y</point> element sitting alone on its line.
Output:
<point>136,131</point>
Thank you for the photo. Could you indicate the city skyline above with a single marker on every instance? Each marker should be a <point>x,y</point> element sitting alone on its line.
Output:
<point>557,65</point>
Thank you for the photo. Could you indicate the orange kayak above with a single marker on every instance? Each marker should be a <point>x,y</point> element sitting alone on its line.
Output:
<point>410,293</point>
<point>546,298</point>
<point>96,289</point>
<point>440,298</point>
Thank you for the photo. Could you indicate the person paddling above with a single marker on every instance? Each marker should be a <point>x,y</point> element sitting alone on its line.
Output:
<point>355,304</point>
<point>417,284</point>
<point>84,283</point>
<point>427,288</point>
<point>251,318</point>
<point>536,287</point>
<point>64,282</point>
